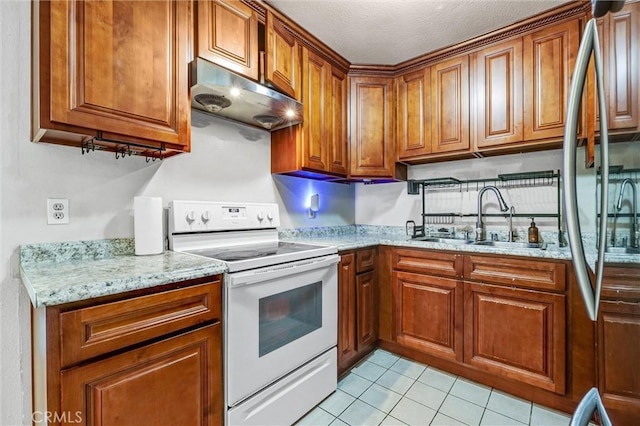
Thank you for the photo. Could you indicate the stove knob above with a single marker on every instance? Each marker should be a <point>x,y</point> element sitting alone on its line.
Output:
<point>260,216</point>
<point>191,217</point>
<point>270,216</point>
<point>205,216</point>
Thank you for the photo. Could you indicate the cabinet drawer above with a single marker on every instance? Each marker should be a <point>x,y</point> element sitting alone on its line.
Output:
<point>365,260</point>
<point>519,272</point>
<point>428,262</point>
<point>89,332</point>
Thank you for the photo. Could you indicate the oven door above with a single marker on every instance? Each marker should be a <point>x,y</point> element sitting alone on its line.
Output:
<point>277,319</point>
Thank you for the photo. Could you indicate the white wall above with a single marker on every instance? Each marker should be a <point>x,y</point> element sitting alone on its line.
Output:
<point>399,206</point>
<point>227,162</point>
<point>390,204</point>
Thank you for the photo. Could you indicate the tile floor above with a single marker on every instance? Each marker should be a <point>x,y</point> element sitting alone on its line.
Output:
<point>386,389</point>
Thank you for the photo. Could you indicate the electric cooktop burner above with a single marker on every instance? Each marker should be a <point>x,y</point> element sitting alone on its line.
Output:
<point>247,251</point>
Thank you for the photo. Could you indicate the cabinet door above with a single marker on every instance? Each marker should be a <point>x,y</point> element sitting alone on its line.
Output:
<point>549,58</point>
<point>499,94</point>
<point>228,35</point>
<point>619,360</point>
<point>282,67</point>
<point>337,123</point>
<point>372,127</point>
<point>450,105</point>
<point>179,378</point>
<point>315,93</point>
<point>346,311</point>
<point>367,317</point>
<point>622,66</point>
<point>119,67</point>
<point>428,314</point>
<point>519,334</point>
<point>414,114</point>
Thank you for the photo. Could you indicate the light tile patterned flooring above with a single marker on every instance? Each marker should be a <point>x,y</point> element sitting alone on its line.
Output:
<point>386,389</point>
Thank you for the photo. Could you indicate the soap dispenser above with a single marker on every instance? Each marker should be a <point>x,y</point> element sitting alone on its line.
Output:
<point>533,232</point>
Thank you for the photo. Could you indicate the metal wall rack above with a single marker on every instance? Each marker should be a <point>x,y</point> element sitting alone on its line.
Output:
<point>502,181</point>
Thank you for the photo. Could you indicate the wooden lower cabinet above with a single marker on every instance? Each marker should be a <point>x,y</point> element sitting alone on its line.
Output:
<point>519,334</point>
<point>357,307</point>
<point>619,360</point>
<point>428,314</point>
<point>146,357</point>
<point>618,344</point>
<point>517,324</point>
<point>172,382</point>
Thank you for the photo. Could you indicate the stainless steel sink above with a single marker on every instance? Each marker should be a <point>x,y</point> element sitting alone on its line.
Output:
<point>622,250</point>
<point>453,241</point>
<point>514,245</point>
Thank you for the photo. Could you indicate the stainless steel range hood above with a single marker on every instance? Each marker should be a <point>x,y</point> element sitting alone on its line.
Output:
<point>222,93</point>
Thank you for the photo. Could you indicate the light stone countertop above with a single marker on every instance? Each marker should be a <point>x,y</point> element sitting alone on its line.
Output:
<point>58,273</point>
<point>53,278</point>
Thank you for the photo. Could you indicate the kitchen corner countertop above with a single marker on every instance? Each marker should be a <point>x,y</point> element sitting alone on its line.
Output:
<point>351,242</point>
<point>55,274</point>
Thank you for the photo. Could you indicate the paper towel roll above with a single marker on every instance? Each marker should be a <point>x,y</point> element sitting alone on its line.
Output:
<point>147,225</point>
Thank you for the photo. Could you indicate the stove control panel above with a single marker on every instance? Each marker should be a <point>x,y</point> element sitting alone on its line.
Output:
<point>202,216</point>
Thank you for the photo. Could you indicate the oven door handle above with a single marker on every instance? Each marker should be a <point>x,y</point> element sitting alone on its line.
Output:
<point>279,271</point>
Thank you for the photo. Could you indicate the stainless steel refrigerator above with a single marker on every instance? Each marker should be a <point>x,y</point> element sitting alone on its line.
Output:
<point>612,193</point>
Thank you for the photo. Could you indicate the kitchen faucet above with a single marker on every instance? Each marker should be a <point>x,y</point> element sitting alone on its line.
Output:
<point>480,232</point>
<point>634,213</point>
<point>512,211</point>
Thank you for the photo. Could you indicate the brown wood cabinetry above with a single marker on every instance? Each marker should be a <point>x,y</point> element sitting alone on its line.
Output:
<point>317,147</point>
<point>549,58</point>
<point>339,146</point>
<point>372,123</point>
<point>227,35</point>
<point>428,314</point>
<point>498,103</point>
<point>118,68</point>
<point>516,333</point>
<point>282,61</point>
<point>413,132</point>
<point>618,348</point>
<point>619,35</point>
<point>169,382</point>
<point>450,105</point>
<point>499,320</point>
<point>94,359</point>
<point>357,306</point>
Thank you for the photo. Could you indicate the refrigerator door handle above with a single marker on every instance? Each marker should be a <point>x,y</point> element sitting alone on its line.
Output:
<point>589,404</point>
<point>590,43</point>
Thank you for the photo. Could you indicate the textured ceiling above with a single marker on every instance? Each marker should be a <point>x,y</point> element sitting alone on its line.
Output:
<point>390,32</point>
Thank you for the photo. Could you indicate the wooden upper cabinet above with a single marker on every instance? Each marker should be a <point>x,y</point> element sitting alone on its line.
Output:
<point>315,98</point>
<point>371,117</point>
<point>318,146</point>
<point>227,35</point>
<point>413,132</point>
<point>621,56</point>
<point>498,72</point>
<point>282,59</point>
<point>119,67</point>
<point>549,58</point>
<point>450,105</point>
<point>337,121</point>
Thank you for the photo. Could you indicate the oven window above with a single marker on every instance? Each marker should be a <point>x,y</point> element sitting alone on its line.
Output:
<point>287,316</point>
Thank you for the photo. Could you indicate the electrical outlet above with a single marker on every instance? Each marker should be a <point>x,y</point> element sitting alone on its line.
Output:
<point>57,211</point>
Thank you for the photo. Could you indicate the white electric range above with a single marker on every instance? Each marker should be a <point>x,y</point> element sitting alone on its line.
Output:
<point>280,308</point>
